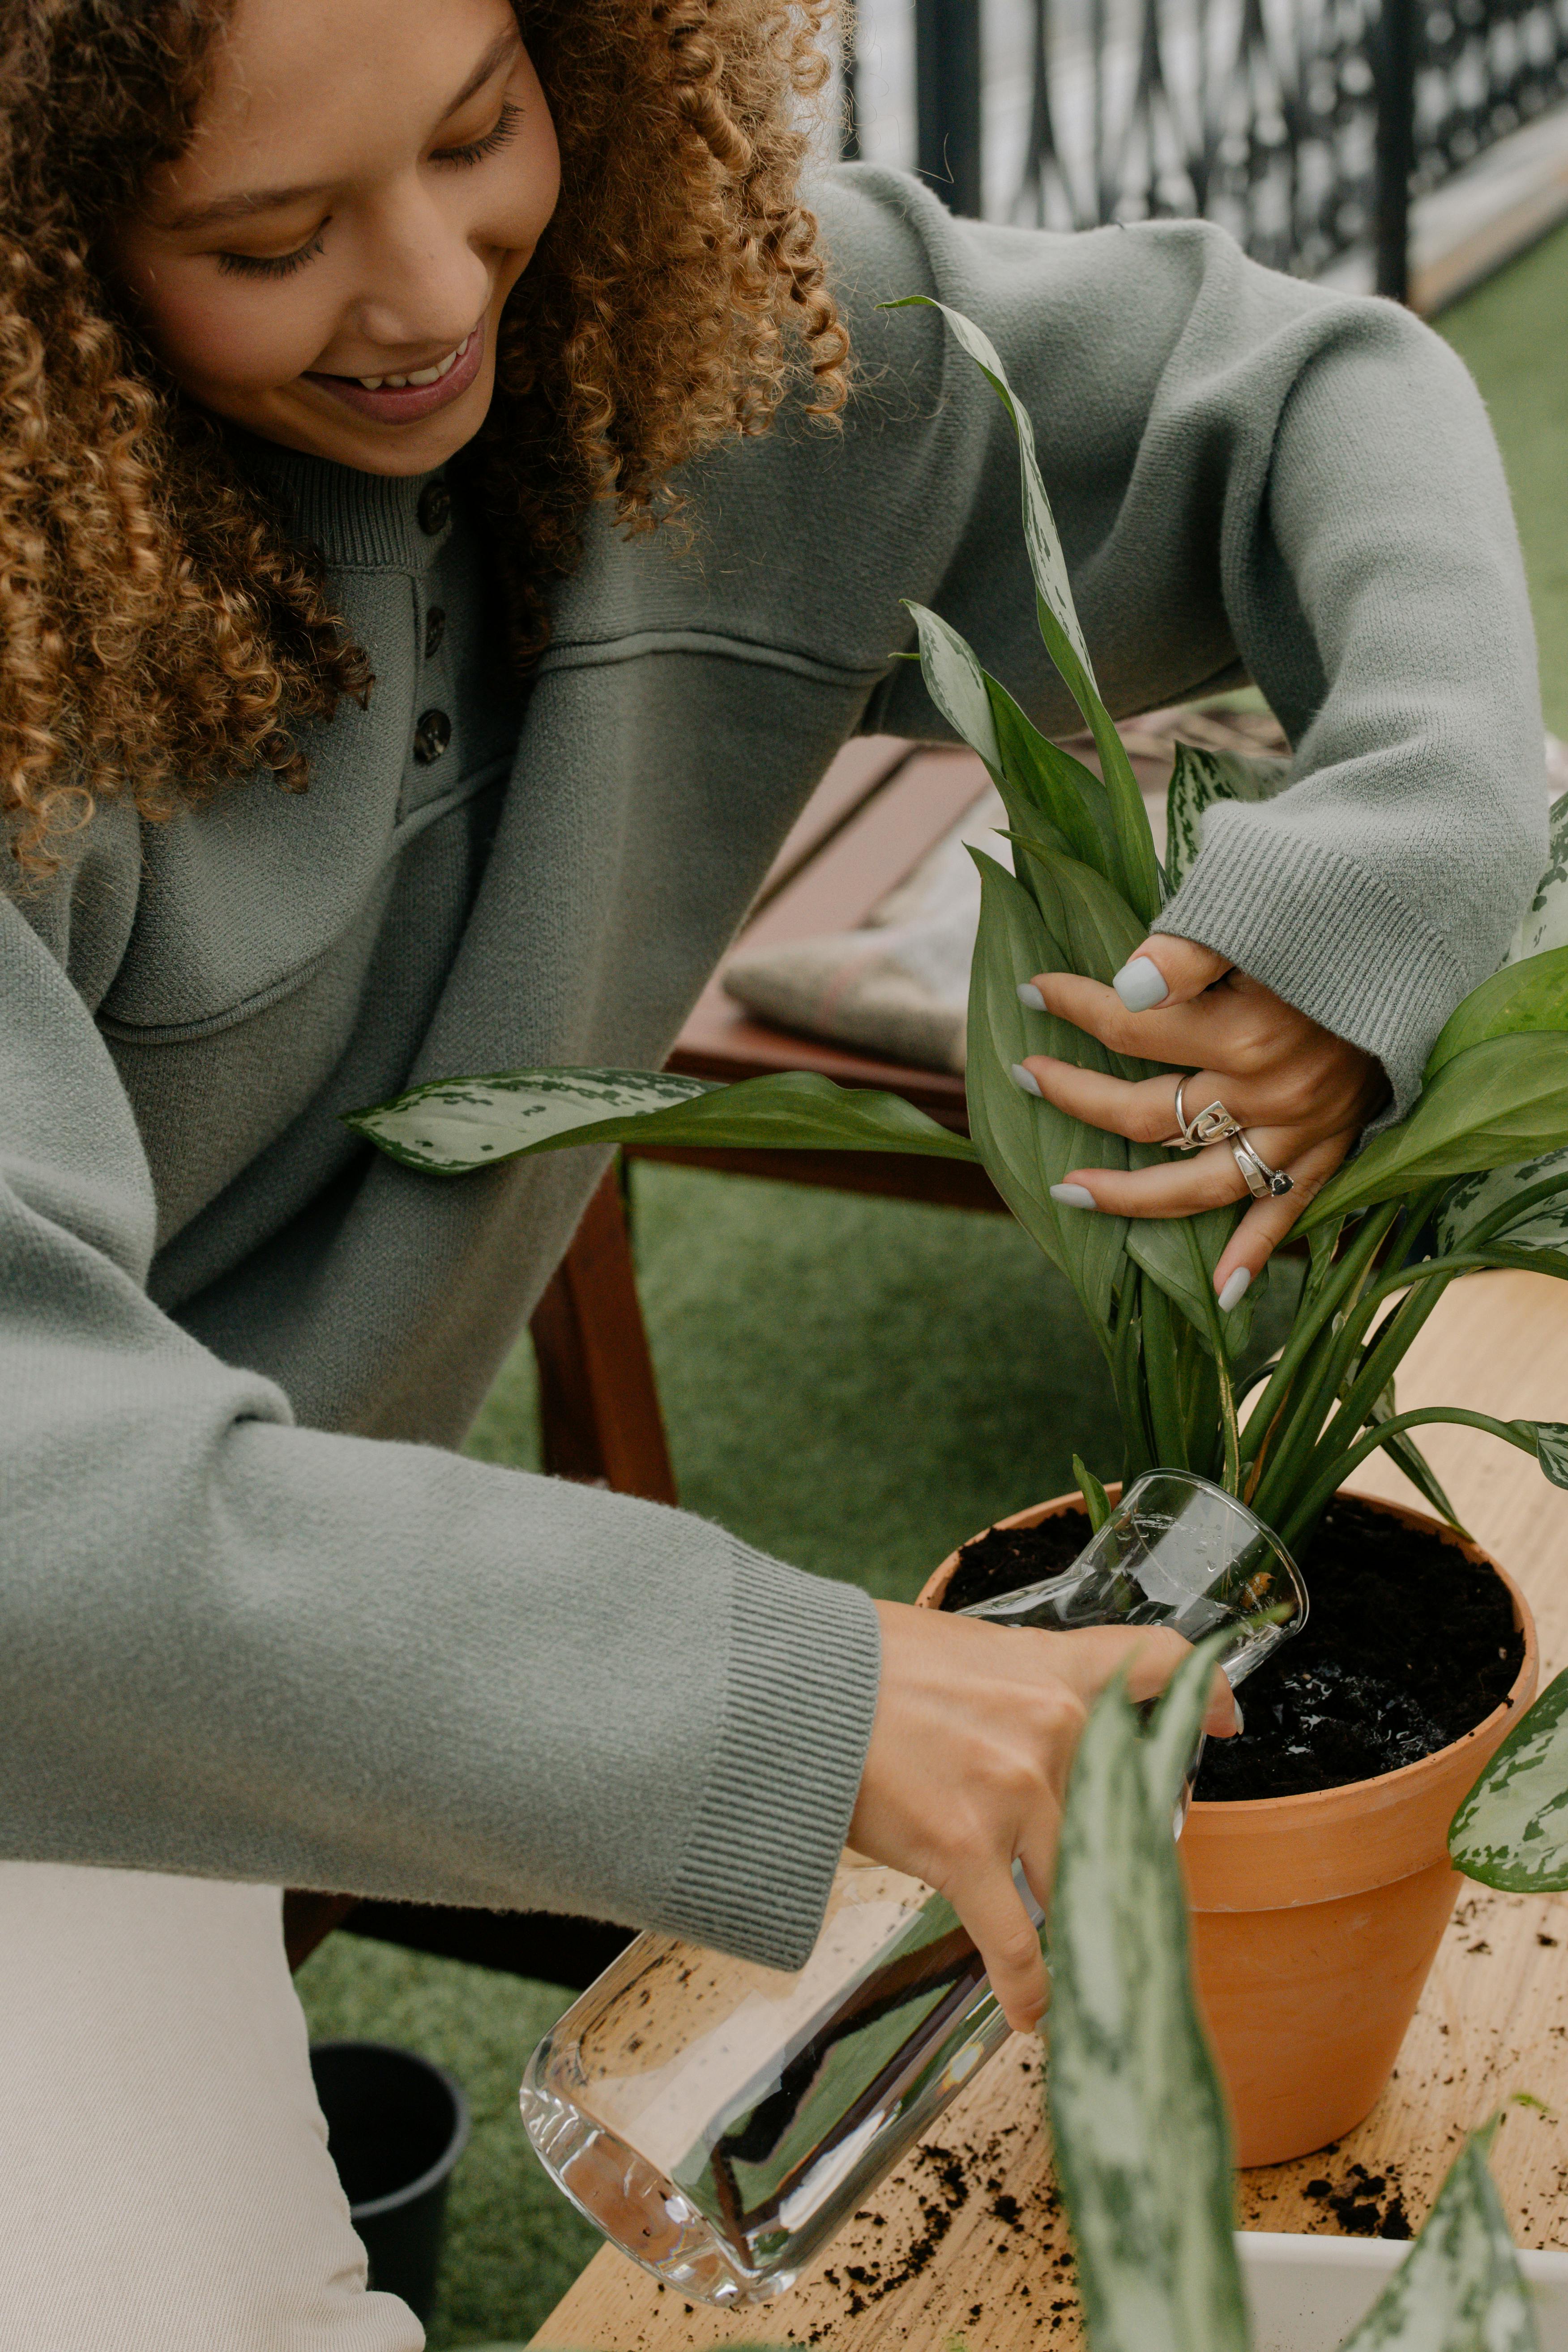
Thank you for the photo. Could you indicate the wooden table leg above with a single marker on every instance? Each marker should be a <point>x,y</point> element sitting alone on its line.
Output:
<point>598,1401</point>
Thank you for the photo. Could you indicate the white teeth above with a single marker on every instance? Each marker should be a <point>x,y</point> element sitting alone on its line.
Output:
<point>420,375</point>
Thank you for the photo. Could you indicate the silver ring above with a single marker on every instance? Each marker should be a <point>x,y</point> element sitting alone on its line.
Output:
<point>1263,1184</point>
<point>1214,1124</point>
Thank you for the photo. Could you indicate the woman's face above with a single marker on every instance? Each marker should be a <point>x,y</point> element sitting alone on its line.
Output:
<point>368,181</point>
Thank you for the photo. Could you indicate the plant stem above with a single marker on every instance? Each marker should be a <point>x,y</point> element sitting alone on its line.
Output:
<point>1310,1323</point>
<point>1325,1487</point>
<point>1222,1363</point>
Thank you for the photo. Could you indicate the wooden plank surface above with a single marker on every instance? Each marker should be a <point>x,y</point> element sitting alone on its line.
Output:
<point>966,2241</point>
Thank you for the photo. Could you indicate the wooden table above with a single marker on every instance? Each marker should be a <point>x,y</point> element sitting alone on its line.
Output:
<point>978,2250</point>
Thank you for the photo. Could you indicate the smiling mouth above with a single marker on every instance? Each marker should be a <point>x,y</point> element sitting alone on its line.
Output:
<point>408,397</point>
<point>417,376</point>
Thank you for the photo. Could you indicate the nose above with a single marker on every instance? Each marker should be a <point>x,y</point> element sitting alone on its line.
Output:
<point>425,284</point>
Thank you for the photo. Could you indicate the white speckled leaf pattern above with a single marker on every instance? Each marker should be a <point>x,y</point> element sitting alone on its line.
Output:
<point>454,1125</point>
<point>1545,920</point>
<point>956,684</point>
<point>1459,2289</point>
<point>1542,1225</point>
<point>1142,2144</point>
<point>1198,780</point>
<point>1511,1831</point>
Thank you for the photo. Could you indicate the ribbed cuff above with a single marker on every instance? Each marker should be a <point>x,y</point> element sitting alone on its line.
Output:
<point>805,1664</point>
<point>1325,935</point>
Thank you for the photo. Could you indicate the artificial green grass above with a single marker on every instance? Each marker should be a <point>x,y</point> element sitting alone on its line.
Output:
<point>1512,334</point>
<point>853,1385</point>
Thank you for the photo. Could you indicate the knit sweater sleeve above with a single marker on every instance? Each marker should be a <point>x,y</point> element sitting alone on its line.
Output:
<point>1253,478</point>
<point>235,1648</point>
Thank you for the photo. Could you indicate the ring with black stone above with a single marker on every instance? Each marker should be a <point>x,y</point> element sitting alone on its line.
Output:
<point>1263,1184</point>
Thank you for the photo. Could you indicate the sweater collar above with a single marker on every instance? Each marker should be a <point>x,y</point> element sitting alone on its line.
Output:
<point>375,521</point>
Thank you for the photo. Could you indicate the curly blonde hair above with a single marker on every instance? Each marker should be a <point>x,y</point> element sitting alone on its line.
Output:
<point>159,632</point>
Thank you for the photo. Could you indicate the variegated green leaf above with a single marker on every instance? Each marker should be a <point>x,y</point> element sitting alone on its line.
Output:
<point>1143,2144</point>
<point>1545,921</point>
<point>1459,2288</point>
<point>1029,1145</point>
<point>1550,1439</point>
<point>456,1125</point>
<point>1476,1199</point>
<point>956,684</point>
<point>1512,1829</point>
<point>1137,868</point>
<point>1047,562</point>
<point>1198,780</point>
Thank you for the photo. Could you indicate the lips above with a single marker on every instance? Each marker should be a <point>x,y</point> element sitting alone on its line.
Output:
<point>403,399</point>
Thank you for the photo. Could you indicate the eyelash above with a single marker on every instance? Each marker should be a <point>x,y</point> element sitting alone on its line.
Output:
<point>502,135</point>
<point>284,264</point>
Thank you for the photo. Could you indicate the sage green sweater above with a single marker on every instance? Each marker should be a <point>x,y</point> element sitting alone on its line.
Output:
<point>256,1618</point>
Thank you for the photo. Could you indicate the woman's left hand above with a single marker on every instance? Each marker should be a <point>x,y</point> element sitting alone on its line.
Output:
<point>1301,1094</point>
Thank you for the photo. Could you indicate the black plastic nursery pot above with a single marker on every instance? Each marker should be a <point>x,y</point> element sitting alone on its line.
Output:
<point>396,2124</point>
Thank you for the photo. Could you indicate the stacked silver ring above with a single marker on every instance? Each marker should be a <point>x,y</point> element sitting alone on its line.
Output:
<point>1263,1184</point>
<point>1212,1124</point>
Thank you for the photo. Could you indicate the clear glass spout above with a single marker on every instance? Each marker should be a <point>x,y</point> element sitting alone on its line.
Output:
<point>718,2121</point>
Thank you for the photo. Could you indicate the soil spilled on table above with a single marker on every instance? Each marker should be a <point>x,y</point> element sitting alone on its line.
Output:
<point>1408,1645</point>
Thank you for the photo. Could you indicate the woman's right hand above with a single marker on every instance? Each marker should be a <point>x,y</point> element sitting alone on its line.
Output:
<point>967,1768</point>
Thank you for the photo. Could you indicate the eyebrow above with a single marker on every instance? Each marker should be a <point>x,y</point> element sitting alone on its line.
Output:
<point>251,201</point>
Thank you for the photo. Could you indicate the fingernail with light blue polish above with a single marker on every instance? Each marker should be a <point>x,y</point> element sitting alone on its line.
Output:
<point>1022,1080</point>
<point>1073,1196</point>
<point>1141,984</point>
<point>1237,1286</point>
<point>1030,995</point>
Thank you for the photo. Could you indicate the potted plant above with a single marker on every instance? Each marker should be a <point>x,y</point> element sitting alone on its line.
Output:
<point>1330,1886</point>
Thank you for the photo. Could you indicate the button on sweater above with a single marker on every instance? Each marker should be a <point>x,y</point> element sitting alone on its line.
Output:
<point>256,1619</point>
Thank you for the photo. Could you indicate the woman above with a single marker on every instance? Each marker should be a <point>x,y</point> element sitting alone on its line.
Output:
<point>336,344</point>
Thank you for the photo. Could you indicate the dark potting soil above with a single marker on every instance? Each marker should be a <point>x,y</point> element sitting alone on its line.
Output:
<point>1407,1646</point>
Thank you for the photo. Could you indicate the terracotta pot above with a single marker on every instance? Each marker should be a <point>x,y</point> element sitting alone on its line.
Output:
<point>1316,1919</point>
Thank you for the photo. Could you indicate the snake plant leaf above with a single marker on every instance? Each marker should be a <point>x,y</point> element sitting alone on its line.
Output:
<point>1511,1831</point>
<point>1522,998</point>
<point>1475,1200</point>
<point>1027,1144</point>
<point>1138,871</point>
<point>956,684</point>
<point>1499,1102</point>
<point>1545,923</point>
<point>453,1126</point>
<point>1459,2288</point>
<point>1143,2144</point>
<point>1198,780</point>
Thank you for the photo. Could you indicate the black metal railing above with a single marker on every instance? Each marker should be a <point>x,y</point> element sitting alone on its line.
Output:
<point>1305,126</point>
